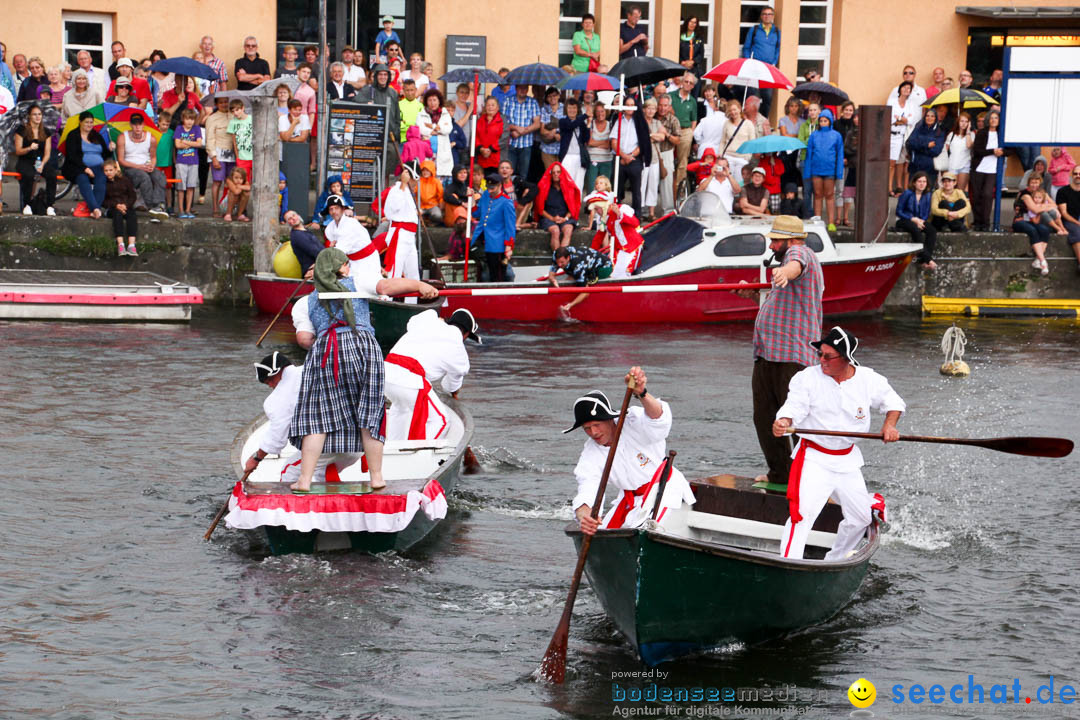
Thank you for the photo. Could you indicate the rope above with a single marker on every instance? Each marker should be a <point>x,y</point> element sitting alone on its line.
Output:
<point>952,344</point>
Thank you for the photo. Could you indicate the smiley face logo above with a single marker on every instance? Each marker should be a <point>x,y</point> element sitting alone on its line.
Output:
<point>862,693</point>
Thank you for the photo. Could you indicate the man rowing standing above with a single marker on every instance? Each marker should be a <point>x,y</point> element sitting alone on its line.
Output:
<point>400,240</point>
<point>347,234</point>
<point>838,394</point>
<point>432,350</point>
<point>639,459</point>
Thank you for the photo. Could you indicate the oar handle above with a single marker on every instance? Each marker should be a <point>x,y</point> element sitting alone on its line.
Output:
<point>267,330</point>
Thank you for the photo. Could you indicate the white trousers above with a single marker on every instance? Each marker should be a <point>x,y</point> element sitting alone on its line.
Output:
<point>666,185</point>
<point>650,184</point>
<point>623,262</point>
<point>572,164</point>
<point>290,471</point>
<point>406,264</point>
<point>399,416</point>
<point>818,484</point>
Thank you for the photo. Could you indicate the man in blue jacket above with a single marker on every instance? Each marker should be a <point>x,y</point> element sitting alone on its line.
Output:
<point>763,43</point>
<point>496,225</point>
<point>824,165</point>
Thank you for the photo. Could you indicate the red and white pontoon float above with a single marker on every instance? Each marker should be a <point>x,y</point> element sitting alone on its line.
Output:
<point>96,295</point>
<point>687,262</point>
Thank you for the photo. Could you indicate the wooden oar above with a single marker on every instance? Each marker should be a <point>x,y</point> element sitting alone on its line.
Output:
<point>224,508</point>
<point>663,482</point>
<point>267,330</point>
<point>1031,446</point>
<point>553,666</point>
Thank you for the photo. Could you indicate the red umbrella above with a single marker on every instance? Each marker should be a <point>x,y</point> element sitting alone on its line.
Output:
<point>749,72</point>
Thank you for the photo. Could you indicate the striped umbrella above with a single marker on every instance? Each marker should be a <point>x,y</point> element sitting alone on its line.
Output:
<point>751,73</point>
<point>534,74</point>
<point>112,116</point>
<point>589,81</point>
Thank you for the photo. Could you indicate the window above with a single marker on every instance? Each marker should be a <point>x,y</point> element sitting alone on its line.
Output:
<point>88,31</point>
<point>646,23</point>
<point>570,13</point>
<point>749,16</point>
<point>703,11</point>
<point>738,245</point>
<point>815,32</point>
<point>814,242</point>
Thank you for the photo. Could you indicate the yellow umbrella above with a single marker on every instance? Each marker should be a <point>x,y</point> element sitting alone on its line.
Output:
<point>970,98</point>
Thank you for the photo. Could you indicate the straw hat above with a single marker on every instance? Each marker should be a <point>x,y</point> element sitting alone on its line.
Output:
<point>786,227</point>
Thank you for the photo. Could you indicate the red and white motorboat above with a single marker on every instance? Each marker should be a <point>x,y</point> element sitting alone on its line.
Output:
<point>95,295</point>
<point>701,245</point>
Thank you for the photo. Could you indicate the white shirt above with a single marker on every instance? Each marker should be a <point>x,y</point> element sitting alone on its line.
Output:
<point>279,406</point>
<point>400,206</point>
<point>628,139</point>
<point>354,74</point>
<point>918,94</point>
<point>910,110</point>
<point>709,133</point>
<point>989,162</point>
<point>959,152</point>
<point>349,236</point>
<point>817,401</point>
<point>301,320</point>
<point>438,347</point>
<point>723,190</point>
<point>303,124</point>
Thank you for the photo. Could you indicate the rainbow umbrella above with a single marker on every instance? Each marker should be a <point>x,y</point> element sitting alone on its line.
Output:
<point>112,116</point>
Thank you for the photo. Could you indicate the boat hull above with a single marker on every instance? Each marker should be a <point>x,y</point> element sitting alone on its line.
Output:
<point>851,287</point>
<point>390,319</point>
<point>94,295</point>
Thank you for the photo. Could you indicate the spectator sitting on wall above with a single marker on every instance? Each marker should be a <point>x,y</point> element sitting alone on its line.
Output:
<point>136,151</point>
<point>206,44</point>
<point>294,127</point>
<point>431,193</point>
<point>966,79</point>
<point>949,206</point>
<point>334,186</point>
<point>1068,203</point>
<point>415,148</point>
<point>456,193</point>
<point>28,90</point>
<point>913,217</point>
<point>118,51</point>
<point>1027,219</point>
<point>251,70</point>
<point>763,43</point>
<point>1039,168</point>
<point>521,192</point>
<point>558,203</point>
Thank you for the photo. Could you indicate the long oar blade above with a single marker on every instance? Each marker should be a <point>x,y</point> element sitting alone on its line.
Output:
<point>1049,447</point>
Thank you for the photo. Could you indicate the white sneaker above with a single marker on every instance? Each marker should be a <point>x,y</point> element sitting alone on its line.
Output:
<point>50,212</point>
<point>27,211</point>
<point>1036,264</point>
<point>1044,268</point>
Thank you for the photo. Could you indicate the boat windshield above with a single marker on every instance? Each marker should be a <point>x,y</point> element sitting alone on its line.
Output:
<point>704,206</point>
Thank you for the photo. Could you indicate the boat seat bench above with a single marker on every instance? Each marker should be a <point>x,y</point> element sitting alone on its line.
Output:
<point>751,528</point>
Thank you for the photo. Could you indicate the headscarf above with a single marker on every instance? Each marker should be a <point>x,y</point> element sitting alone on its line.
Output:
<point>327,264</point>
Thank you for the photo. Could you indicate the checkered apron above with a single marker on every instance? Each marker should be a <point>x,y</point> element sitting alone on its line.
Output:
<point>341,409</point>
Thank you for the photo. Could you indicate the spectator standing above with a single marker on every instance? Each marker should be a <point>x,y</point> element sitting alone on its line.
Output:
<point>824,166</point>
<point>489,128</point>
<point>709,132</point>
<point>494,216</point>
<point>1026,211</point>
<point>650,175</point>
<point>851,178</point>
<point>574,143</point>
<point>925,143</point>
<point>416,73</point>
<point>140,88</point>
<point>251,70</point>
<point>985,151</point>
<point>136,152</point>
<point>692,48</point>
<point>522,116</point>
<point>763,43</point>
<point>966,79</point>
<point>354,74</point>
<point>219,149</point>
<point>633,150</point>
<point>379,92</point>
<point>289,64</point>
<point>175,101</point>
<point>550,114</point>
<point>913,217</point>
<point>684,105</point>
<point>600,154</point>
<point>502,93</point>
<point>7,80</point>
<point>118,51</point>
<point>311,57</point>
<point>409,106</point>
<point>994,88</point>
<point>187,139</point>
<point>672,134</point>
<point>904,110</point>
<point>33,155</point>
<point>463,108</point>
<point>206,44</point>
<point>736,131</point>
<point>753,115</point>
<point>435,124</point>
<point>28,90</point>
<point>85,154</point>
<point>1068,202</point>
<point>938,76</point>
<point>358,73</point>
<point>918,94</point>
<point>241,131</point>
<point>83,96</point>
<point>959,143</point>
<point>633,40</point>
<point>96,77</point>
<point>384,37</point>
<point>19,72</point>
<point>336,87</point>
<point>949,206</point>
<point>1061,164</point>
<point>586,44</point>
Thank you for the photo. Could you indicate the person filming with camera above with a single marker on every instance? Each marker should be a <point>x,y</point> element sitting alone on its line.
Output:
<point>722,184</point>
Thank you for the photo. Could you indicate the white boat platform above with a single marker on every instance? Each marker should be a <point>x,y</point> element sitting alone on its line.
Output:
<point>95,295</point>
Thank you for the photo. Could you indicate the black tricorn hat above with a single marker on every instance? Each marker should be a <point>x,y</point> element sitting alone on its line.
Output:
<point>842,341</point>
<point>271,365</point>
<point>590,407</point>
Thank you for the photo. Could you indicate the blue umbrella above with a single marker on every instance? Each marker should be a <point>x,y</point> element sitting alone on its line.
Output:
<point>466,75</point>
<point>589,81</point>
<point>535,74</point>
<point>771,144</point>
<point>184,66</point>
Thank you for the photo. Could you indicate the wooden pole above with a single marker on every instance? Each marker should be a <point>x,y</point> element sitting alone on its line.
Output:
<point>265,234</point>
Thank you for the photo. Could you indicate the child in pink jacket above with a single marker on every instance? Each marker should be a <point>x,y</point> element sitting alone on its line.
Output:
<point>415,147</point>
<point>1061,164</point>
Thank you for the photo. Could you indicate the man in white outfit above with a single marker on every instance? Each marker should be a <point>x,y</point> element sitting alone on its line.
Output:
<point>400,239</point>
<point>639,458</point>
<point>283,378</point>
<point>431,351</point>
<point>838,394</point>
<point>709,133</point>
<point>348,235</point>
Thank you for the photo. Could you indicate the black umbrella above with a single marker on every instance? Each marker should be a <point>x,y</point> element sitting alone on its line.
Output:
<point>644,70</point>
<point>830,94</point>
<point>16,116</point>
<point>534,74</point>
<point>466,75</point>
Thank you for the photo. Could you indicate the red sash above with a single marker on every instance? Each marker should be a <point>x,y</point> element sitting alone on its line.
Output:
<point>627,503</point>
<point>332,346</point>
<point>391,245</point>
<point>361,254</point>
<point>796,475</point>
<point>418,425</point>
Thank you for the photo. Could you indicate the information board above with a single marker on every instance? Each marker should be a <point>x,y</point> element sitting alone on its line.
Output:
<point>465,51</point>
<point>357,139</point>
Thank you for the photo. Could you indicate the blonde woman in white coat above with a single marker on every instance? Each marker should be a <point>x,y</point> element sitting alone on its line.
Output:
<point>436,121</point>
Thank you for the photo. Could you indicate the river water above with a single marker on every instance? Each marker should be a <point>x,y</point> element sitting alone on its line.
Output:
<point>116,439</point>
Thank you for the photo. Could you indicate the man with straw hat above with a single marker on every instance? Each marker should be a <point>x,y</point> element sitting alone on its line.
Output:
<point>788,320</point>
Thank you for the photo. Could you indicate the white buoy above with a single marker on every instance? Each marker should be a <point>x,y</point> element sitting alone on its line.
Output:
<point>952,344</point>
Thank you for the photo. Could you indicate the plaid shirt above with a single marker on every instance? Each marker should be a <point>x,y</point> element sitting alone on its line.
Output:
<point>218,66</point>
<point>521,113</point>
<point>551,148</point>
<point>791,316</point>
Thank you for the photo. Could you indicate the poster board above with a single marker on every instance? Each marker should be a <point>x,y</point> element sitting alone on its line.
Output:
<point>1041,95</point>
<point>356,139</point>
<point>465,51</point>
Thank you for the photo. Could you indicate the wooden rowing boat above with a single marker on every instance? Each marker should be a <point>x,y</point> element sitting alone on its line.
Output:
<point>706,576</point>
<point>420,475</point>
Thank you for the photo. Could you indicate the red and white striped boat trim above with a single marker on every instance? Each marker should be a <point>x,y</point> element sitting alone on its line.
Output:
<point>750,72</point>
<point>373,512</point>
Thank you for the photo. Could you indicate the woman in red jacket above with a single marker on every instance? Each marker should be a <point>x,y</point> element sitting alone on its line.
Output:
<point>489,127</point>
